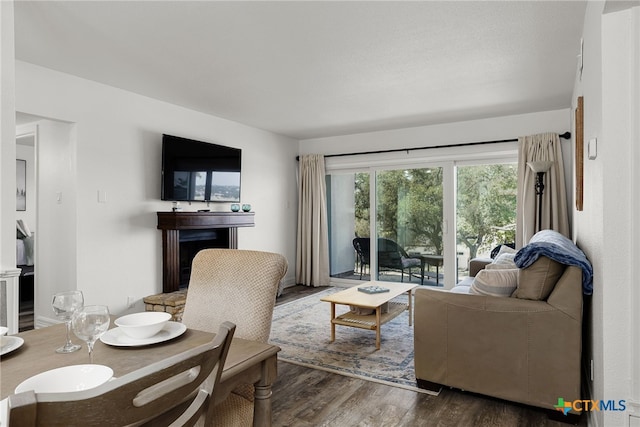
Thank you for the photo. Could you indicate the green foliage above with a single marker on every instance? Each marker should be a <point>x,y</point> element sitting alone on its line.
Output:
<point>362,204</point>
<point>486,205</point>
<point>410,206</point>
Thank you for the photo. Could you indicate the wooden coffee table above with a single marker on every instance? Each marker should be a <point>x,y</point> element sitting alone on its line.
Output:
<point>354,297</point>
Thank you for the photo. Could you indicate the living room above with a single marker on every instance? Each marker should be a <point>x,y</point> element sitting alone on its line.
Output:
<point>96,139</point>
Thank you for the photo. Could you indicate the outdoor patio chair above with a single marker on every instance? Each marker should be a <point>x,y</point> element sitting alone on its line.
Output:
<point>390,256</point>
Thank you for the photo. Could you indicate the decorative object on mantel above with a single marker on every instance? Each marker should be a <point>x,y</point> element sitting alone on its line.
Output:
<point>176,207</point>
<point>540,168</point>
<point>235,207</point>
<point>246,207</point>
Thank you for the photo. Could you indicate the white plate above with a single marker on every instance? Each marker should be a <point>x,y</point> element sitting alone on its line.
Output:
<point>118,338</point>
<point>9,344</point>
<point>66,379</point>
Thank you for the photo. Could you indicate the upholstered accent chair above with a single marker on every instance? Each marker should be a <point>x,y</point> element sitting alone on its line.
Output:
<point>239,286</point>
<point>172,392</point>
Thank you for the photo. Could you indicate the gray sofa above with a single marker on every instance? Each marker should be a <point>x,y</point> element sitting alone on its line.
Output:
<point>524,348</point>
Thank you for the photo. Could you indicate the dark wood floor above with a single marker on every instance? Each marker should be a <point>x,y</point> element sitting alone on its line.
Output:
<point>308,397</point>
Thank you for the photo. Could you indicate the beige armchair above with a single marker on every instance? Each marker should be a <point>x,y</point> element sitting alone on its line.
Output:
<point>239,286</point>
<point>517,349</point>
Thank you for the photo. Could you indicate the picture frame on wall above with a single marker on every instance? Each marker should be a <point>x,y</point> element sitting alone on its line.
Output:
<point>21,184</point>
<point>579,151</point>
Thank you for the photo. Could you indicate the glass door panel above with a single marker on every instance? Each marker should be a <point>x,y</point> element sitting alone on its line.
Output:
<point>409,205</point>
<point>485,210</point>
<point>349,225</point>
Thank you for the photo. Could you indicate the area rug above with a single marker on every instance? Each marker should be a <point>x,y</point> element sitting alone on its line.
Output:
<point>302,329</point>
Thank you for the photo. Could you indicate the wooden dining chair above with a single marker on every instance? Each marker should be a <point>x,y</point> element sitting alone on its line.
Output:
<point>148,396</point>
<point>239,286</point>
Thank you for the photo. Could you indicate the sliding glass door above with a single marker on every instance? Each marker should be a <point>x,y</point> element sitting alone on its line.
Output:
<point>419,225</point>
<point>407,231</point>
<point>409,225</point>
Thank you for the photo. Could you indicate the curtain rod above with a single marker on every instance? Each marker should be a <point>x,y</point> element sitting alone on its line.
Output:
<point>565,135</point>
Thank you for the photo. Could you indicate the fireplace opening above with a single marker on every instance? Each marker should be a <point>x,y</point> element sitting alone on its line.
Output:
<point>192,242</point>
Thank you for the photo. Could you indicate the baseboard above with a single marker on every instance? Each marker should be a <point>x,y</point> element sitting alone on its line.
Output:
<point>43,322</point>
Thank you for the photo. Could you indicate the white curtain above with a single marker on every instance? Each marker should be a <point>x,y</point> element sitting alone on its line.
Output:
<point>541,147</point>
<point>312,257</point>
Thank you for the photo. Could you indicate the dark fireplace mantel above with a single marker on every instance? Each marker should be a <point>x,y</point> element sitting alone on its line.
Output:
<point>172,222</point>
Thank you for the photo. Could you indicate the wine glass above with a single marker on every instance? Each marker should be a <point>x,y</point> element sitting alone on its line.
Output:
<point>64,305</point>
<point>90,323</point>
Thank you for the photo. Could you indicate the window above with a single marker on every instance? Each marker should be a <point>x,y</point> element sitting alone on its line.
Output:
<point>436,215</point>
<point>485,210</point>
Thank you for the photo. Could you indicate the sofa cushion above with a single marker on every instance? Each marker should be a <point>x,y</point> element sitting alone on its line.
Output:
<point>505,259</point>
<point>497,283</point>
<point>500,267</point>
<point>537,281</point>
<point>504,249</point>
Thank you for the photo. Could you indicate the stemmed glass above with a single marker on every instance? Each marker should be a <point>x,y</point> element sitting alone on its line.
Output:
<point>65,304</point>
<point>90,323</point>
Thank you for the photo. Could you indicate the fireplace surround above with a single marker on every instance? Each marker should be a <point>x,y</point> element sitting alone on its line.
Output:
<point>186,233</point>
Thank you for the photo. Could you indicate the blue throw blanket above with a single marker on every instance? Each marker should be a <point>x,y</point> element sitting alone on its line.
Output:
<point>557,247</point>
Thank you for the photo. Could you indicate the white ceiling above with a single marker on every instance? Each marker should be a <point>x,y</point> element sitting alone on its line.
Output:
<point>313,69</point>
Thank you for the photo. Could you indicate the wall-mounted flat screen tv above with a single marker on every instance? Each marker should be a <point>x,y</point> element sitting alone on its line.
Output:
<point>199,171</point>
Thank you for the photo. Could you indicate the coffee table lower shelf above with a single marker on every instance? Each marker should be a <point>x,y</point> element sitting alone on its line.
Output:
<point>368,321</point>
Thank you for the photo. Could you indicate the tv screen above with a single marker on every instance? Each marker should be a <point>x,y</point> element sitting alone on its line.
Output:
<point>199,171</point>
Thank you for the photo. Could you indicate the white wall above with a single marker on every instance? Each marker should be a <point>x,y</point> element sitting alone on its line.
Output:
<point>497,128</point>
<point>341,205</point>
<point>8,271</point>
<point>621,131</point>
<point>56,265</point>
<point>116,148</point>
<point>606,229</point>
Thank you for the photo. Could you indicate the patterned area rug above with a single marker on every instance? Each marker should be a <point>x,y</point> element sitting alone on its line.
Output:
<point>302,329</point>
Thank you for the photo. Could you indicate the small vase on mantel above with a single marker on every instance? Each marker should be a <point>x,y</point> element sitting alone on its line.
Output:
<point>235,207</point>
<point>246,207</point>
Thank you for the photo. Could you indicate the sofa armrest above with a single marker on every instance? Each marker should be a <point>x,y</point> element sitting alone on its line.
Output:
<point>567,294</point>
<point>477,264</point>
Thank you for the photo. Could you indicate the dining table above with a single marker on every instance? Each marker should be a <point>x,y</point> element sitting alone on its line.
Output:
<point>248,362</point>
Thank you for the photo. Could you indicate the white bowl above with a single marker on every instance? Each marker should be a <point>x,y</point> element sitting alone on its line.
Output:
<point>143,325</point>
<point>66,379</point>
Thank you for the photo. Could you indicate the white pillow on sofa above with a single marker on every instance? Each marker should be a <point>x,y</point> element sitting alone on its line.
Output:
<point>497,282</point>
<point>499,267</point>
<point>505,259</point>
